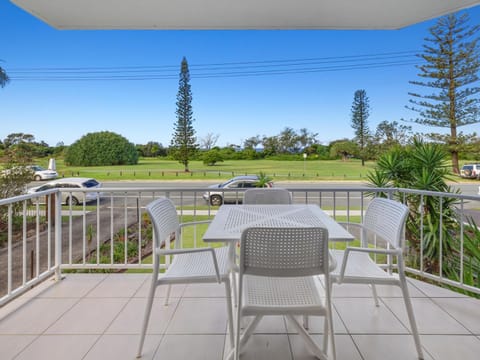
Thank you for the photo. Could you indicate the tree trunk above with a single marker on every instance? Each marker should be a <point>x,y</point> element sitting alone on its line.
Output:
<point>455,167</point>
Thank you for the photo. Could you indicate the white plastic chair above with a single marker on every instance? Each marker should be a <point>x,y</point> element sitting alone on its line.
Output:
<point>384,220</point>
<point>267,196</point>
<point>193,265</point>
<point>278,276</point>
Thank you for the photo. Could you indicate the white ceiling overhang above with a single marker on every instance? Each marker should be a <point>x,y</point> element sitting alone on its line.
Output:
<point>238,14</point>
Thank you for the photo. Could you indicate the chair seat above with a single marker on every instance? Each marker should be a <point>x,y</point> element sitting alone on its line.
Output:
<point>196,267</point>
<point>281,295</point>
<point>361,268</point>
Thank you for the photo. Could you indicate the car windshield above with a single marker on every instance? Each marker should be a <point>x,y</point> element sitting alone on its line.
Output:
<point>37,168</point>
<point>467,167</point>
<point>226,183</point>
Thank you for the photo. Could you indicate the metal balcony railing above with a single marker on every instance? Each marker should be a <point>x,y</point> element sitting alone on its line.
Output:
<point>41,237</point>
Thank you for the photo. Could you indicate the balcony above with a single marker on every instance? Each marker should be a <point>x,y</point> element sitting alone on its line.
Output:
<point>50,313</point>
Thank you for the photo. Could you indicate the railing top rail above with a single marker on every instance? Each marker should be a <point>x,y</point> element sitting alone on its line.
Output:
<point>24,197</point>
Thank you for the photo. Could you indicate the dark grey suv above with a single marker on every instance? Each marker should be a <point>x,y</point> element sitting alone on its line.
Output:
<point>217,196</point>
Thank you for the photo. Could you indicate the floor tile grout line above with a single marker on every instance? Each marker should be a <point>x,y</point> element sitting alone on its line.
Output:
<point>453,317</point>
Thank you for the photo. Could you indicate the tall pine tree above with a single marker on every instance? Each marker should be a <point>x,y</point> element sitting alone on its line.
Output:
<point>360,113</point>
<point>4,79</point>
<point>183,144</point>
<point>451,58</point>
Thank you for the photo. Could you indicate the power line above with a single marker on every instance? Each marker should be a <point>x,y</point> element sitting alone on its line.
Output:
<point>218,70</point>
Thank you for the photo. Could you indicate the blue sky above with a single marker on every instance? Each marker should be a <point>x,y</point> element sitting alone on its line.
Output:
<point>235,108</point>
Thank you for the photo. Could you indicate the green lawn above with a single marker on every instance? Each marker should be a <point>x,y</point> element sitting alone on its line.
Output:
<point>160,169</point>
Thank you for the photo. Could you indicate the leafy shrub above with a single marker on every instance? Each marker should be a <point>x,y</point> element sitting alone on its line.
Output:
<point>100,149</point>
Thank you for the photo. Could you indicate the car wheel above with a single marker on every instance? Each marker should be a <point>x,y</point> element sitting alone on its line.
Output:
<point>37,178</point>
<point>216,200</point>
<point>73,200</point>
<point>468,173</point>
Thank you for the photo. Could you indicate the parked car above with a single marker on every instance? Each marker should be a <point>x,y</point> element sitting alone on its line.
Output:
<point>74,197</point>
<point>38,173</point>
<point>217,197</point>
<point>470,171</point>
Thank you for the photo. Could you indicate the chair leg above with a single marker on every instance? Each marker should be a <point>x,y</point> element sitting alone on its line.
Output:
<point>330,332</point>
<point>228,292</point>
<point>328,326</point>
<point>167,296</point>
<point>234,288</point>
<point>311,345</point>
<point>241,341</point>
<point>411,316</point>
<point>148,310</point>
<point>305,322</point>
<point>375,295</point>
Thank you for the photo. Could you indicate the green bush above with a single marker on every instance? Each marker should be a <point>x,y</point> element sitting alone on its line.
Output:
<point>100,149</point>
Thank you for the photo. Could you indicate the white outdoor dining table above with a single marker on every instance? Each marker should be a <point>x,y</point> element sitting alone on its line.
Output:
<point>230,221</point>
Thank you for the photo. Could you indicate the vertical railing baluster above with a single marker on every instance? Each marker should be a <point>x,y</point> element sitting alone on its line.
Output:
<point>461,240</point>
<point>24,243</point>
<point>125,228</point>
<point>440,238</point>
<point>98,221</point>
<point>58,235</point>
<point>334,204</point>
<point>139,217</point>
<point>112,243</point>
<point>49,236</point>
<point>9,246</point>
<point>70,229</point>
<point>37,239</point>
<point>422,214</point>
<point>84,233</point>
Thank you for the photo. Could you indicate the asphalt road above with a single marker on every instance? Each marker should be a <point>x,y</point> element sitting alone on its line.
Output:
<point>470,188</point>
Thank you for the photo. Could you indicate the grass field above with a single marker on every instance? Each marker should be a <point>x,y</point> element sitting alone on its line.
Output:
<point>160,169</point>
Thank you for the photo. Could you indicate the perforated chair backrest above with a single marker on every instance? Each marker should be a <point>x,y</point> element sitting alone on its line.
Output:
<point>387,218</point>
<point>164,218</point>
<point>284,252</point>
<point>267,196</point>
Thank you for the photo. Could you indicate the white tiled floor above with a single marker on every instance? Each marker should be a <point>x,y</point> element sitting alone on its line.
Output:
<point>98,316</point>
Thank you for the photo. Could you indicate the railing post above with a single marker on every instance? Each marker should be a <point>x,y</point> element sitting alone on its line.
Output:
<point>58,235</point>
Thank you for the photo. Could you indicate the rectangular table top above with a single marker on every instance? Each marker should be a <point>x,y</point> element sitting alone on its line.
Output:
<point>230,220</point>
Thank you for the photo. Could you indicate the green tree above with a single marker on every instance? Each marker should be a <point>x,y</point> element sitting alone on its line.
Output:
<point>360,113</point>
<point>14,178</point>
<point>388,135</point>
<point>151,149</point>
<point>183,145</point>
<point>100,149</point>
<point>307,139</point>
<point>211,157</point>
<point>252,142</point>
<point>271,145</point>
<point>451,63</point>
<point>343,148</point>
<point>4,79</point>
<point>289,141</point>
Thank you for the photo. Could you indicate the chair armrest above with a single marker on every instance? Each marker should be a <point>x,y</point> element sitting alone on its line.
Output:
<point>159,252</point>
<point>349,249</point>
<point>195,223</point>
<point>373,250</point>
<point>332,263</point>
